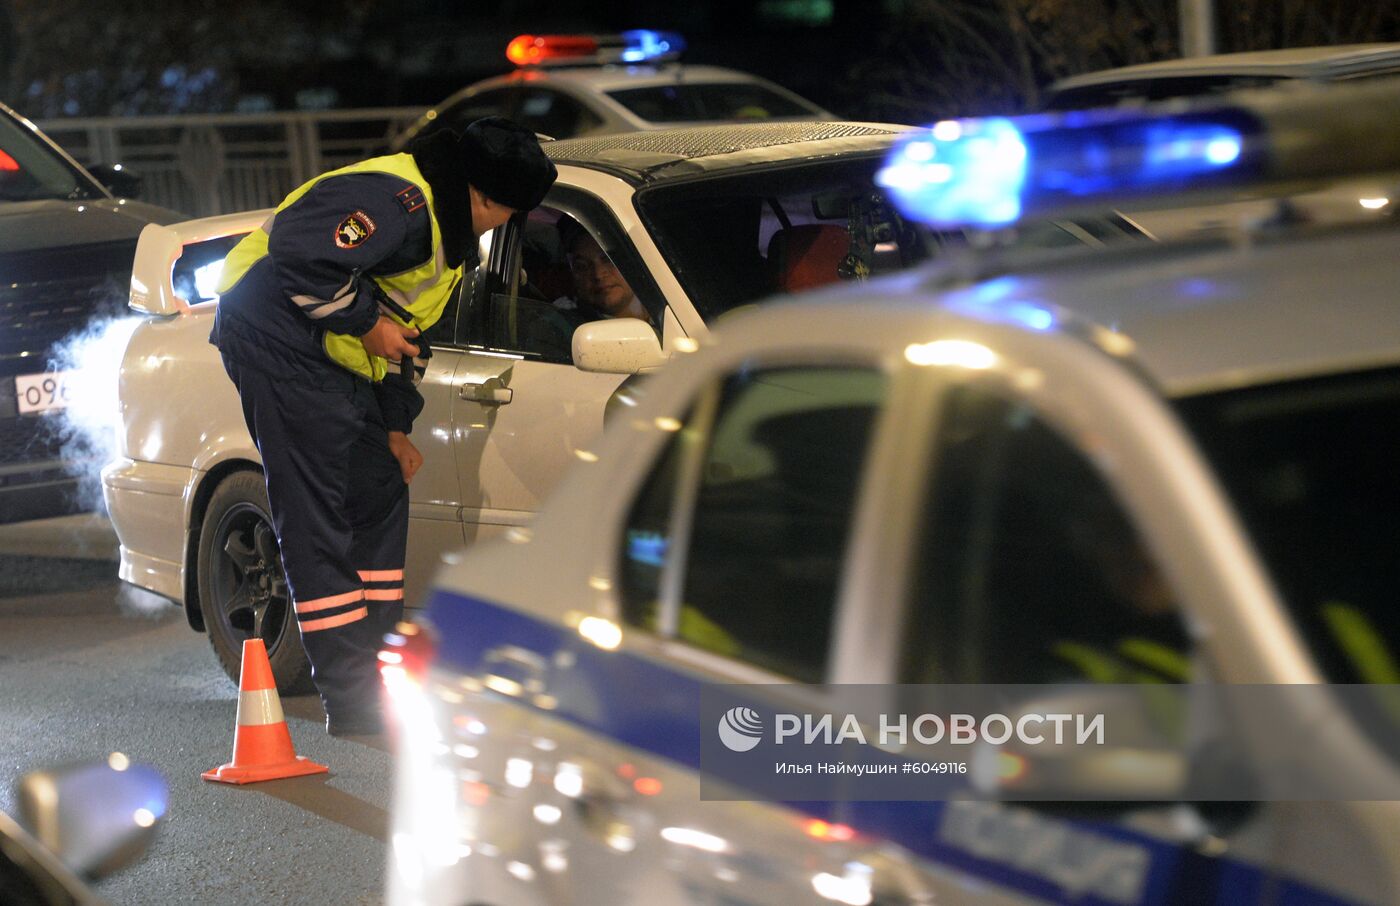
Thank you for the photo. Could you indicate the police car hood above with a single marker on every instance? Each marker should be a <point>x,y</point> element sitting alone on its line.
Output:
<point>60,223</point>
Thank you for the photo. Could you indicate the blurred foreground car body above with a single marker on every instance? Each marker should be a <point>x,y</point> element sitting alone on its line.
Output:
<point>1168,464</point>
<point>699,221</point>
<point>568,86</point>
<point>79,823</point>
<point>66,243</point>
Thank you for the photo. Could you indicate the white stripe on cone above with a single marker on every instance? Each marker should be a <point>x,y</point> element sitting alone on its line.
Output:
<point>258,707</point>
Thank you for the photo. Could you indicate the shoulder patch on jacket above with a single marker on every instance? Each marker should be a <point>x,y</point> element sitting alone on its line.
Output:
<point>411,199</point>
<point>354,230</point>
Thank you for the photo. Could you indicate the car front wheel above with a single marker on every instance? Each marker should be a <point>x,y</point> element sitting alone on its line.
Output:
<point>243,591</point>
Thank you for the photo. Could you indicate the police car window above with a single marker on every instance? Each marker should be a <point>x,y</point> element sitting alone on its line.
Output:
<point>692,102</point>
<point>736,239</point>
<point>554,114</point>
<point>1028,570</point>
<point>556,273</point>
<point>765,516</point>
<point>500,102</point>
<point>1311,464</point>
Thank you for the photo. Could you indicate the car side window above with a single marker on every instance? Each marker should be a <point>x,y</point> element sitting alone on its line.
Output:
<point>554,113</point>
<point>547,278</point>
<point>746,517</point>
<point>446,330</point>
<point>1028,570</point>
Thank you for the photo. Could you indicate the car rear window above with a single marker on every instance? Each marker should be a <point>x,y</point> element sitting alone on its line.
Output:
<point>700,102</point>
<point>738,238</point>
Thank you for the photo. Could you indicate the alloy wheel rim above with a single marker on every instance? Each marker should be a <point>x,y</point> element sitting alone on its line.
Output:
<point>250,588</point>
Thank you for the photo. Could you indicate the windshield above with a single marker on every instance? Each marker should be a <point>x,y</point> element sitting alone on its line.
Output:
<point>29,169</point>
<point>688,102</point>
<point>732,240</point>
<point>1312,466</point>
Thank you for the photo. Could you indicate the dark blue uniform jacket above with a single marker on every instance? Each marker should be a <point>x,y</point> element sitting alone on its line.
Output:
<point>315,278</point>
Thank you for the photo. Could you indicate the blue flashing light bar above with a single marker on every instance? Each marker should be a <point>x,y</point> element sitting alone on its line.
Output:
<point>991,172</point>
<point>641,45</point>
<point>959,171</point>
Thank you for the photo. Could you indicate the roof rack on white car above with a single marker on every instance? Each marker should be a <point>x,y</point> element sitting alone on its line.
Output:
<point>636,46</point>
<point>995,171</point>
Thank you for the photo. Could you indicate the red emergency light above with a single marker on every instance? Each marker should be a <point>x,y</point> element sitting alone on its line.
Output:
<point>528,50</point>
<point>8,163</point>
<point>407,653</point>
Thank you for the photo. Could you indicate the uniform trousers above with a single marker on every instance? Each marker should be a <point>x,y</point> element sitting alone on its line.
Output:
<point>339,506</point>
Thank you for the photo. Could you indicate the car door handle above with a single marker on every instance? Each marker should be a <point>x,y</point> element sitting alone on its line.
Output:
<point>512,670</point>
<point>490,392</point>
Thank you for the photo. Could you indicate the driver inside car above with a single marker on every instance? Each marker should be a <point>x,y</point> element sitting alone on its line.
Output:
<point>600,290</point>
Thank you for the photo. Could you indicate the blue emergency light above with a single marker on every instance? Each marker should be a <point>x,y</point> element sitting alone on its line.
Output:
<point>641,45</point>
<point>991,172</point>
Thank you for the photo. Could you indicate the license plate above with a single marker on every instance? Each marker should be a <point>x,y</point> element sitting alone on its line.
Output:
<point>42,392</point>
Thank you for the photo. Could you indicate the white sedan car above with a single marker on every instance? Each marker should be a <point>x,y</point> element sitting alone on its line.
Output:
<point>698,221</point>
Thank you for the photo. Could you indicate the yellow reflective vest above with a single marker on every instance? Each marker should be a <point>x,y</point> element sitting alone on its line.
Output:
<point>422,292</point>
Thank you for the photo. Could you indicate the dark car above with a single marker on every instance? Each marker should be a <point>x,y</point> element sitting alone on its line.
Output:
<point>66,245</point>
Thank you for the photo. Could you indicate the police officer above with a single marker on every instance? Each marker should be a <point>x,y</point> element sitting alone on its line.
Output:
<point>319,311</point>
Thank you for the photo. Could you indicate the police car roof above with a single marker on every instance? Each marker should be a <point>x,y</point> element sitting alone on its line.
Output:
<point>1204,316</point>
<point>1316,63</point>
<point>667,153</point>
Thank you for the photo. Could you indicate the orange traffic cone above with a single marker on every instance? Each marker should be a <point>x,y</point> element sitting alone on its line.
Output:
<point>262,744</point>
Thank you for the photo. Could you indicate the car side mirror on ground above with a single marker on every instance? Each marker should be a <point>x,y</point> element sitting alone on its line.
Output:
<point>617,346</point>
<point>117,179</point>
<point>97,818</point>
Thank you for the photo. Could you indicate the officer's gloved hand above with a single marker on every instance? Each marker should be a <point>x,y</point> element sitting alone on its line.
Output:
<point>389,339</point>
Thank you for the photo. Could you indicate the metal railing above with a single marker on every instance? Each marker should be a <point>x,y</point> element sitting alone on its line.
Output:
<point>220,163</point>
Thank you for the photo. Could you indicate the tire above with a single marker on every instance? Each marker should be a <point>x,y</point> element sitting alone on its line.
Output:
<point>242,587</point>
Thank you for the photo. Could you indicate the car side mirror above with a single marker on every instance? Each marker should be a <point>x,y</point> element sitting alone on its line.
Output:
<point>97,818</point>
<point>117,179</point>
<point>617,346</point>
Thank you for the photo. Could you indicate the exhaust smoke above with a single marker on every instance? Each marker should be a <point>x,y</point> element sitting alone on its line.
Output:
<point>87,426</point>
<point>137,602</point>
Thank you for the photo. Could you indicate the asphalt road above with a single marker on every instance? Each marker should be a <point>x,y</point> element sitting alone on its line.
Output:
<point>87,668</point>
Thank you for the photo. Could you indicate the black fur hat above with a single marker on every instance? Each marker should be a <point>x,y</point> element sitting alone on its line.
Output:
<point>504,161</point>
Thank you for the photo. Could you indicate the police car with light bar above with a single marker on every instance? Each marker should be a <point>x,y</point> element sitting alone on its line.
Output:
<point>572,85</point>
<point>1163,463</point>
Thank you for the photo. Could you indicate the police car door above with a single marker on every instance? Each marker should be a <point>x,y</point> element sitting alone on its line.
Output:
<point>1033,563</point>
<point>727,566</point>
<point>524,412</point>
